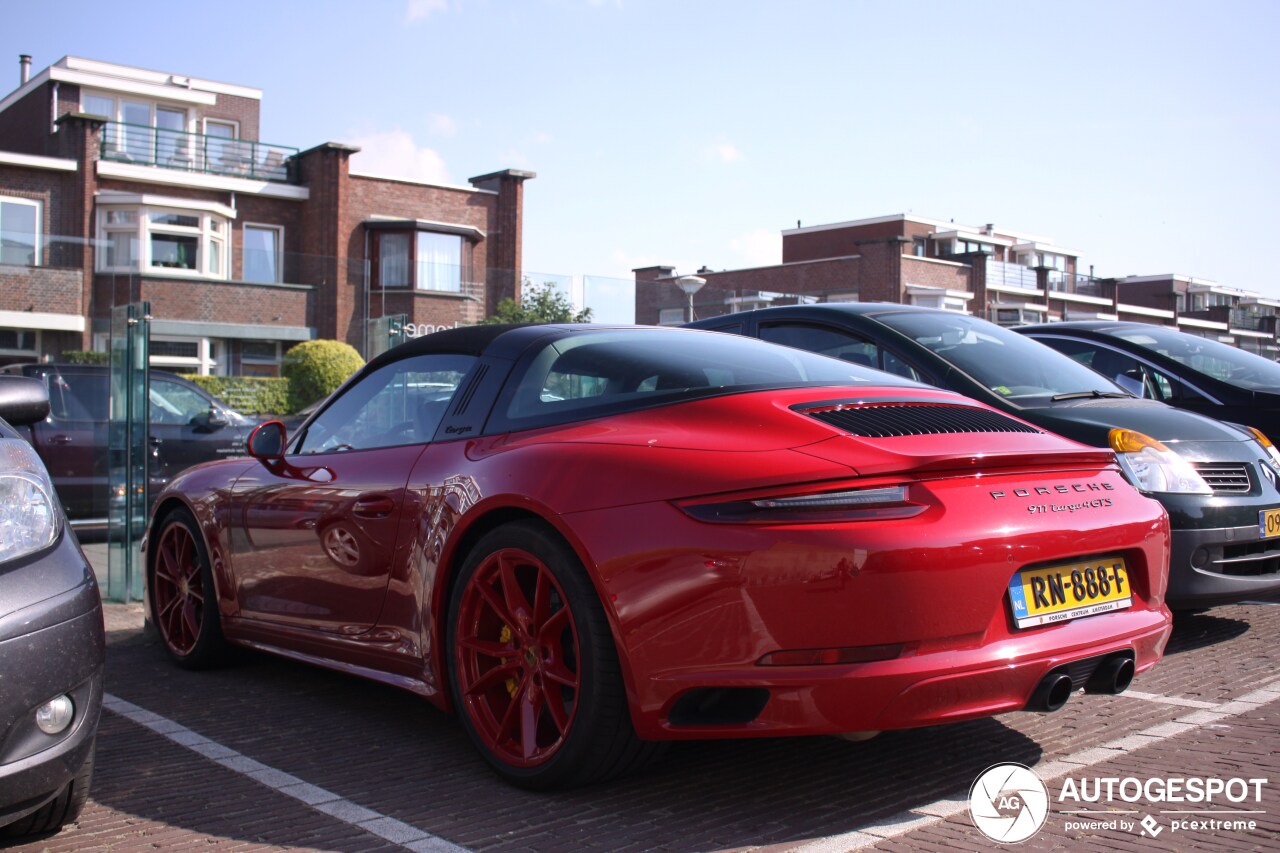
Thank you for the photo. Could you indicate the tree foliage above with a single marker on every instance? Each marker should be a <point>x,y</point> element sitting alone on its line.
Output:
<point>539,303</point>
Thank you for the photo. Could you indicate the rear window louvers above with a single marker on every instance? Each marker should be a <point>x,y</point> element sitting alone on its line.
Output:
<point>887,420</point>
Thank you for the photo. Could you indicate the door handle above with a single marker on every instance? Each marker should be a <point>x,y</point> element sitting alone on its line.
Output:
<point>374,506</point>
<point>153,441</point>
<point>60,439</point>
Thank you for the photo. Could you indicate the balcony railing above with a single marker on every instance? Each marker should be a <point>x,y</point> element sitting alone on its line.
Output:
<point>1010,275</point>
<point>1247,320</point>
<point>195,152</point>
<point>1078,283</point>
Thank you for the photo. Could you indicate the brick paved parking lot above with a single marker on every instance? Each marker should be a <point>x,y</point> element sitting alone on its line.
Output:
<point>270,754</point>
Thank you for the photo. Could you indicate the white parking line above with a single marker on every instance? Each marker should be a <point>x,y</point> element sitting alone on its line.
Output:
<point>933,813</point>
<point>1168,700</point>
<point>395,831</point>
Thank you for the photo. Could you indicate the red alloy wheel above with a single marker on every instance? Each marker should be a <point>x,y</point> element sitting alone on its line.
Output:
<point>178,590</point>
<point>518,658</point>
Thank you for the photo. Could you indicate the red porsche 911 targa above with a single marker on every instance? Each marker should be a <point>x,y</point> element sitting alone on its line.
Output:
<point>588,540</point>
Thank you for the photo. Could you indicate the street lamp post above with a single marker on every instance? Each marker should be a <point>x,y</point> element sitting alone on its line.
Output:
<point>690,284</point>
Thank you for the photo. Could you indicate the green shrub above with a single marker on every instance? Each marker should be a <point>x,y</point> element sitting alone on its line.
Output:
<point>249,395</point>
<point>79,356</point>
<point>316,368</point>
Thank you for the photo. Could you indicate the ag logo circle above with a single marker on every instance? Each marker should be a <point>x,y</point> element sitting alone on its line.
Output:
<point>1008,803</point>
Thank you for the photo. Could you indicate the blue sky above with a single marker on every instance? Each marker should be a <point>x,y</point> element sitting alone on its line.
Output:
<point>1145,135</point>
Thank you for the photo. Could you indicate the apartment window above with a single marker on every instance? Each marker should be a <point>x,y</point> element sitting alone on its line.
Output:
<point>439,261</point>
<point>393,259</point>
<point>142,131</point>
<point>260,358</point>
<point>262,245</point>
<point>19,232</point>
<point>98,105</point>
<point>422,260</point>
<point>165,240</point>
<point>20,342</point>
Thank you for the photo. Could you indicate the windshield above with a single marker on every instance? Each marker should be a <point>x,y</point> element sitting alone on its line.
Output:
<point>594,373</point>
<point>1015,367</point>
<point>1221,361</point>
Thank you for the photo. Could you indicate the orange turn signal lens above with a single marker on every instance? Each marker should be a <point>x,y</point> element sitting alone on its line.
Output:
<point>1262,439</point>
<point>1132,441</point>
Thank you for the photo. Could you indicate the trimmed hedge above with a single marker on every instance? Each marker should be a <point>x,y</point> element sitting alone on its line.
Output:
<point>315,369</point>
<point>249,395</point>
<point>79,356</point>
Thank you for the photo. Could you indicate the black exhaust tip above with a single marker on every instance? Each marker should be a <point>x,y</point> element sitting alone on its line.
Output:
<point>1113,675</point>
<point>1051,693</point>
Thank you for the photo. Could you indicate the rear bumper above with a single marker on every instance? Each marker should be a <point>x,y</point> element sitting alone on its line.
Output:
<point>945,687</point>
<point>1220,565</point>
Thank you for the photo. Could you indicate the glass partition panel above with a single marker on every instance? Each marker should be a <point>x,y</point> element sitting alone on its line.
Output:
<point>127,450</point>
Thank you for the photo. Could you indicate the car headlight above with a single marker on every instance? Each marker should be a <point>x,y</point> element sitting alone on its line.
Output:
<point>29,516</point>
<point>1153,467</point>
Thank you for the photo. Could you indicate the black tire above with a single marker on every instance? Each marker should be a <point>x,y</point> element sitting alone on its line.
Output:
<point>58,812</point>
<point>184,600</point>
<point>598,742</point>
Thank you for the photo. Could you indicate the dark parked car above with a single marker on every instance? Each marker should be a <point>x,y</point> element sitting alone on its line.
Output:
<point>1183,370</point>
<point>187,426</point>
<point>565,534</point>
<point>1217,481</point>
<point>51,638</point>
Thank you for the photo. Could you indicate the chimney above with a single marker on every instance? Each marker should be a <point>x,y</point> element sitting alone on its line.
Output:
<point>24,62</point>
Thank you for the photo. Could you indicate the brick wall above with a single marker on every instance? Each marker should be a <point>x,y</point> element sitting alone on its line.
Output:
<point>205,301</point>
<point>245,111</point>
<point>836,242</point>
<point>493,258</point>
<point>24,127</point>
<point>46,290</point>
<point>918,271</point>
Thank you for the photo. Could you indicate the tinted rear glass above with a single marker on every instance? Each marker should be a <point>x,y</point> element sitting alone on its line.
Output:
<point>1221,361</point>
<point>591,374</point>
<point>1017,368</point>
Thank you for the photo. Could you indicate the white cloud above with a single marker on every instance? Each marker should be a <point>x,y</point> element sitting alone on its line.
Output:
<point>394,154</point>
<point>513,158</point>
<point>418,10</point>
<point>441,125</point>
<point>725,152</point>
<point>759,248</point>
<point>542,138</point>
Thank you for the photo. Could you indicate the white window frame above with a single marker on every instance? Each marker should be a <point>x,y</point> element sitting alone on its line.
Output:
<point>204,363</point>
<point>279,258</point>
<point>34,352</point>
<point>426,273</point>
<point>230,122</point>
<point>211,240</point>
<point>117,107</point>
<point>39,207</point>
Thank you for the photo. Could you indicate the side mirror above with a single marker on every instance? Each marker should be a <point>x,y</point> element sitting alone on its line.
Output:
<point>23,400</point>
<point>267,441</point>
<point>215,419</point>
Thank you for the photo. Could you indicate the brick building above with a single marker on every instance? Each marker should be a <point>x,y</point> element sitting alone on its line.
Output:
<point>1008,277</point>
<point>120,184</point>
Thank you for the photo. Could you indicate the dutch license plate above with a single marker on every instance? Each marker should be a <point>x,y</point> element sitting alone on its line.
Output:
<point>1058,593</point>
<point>1269,523</point>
